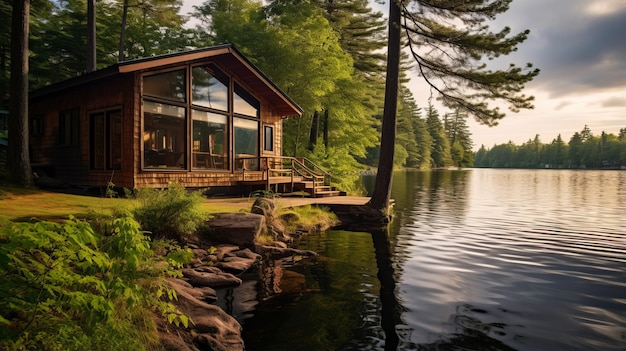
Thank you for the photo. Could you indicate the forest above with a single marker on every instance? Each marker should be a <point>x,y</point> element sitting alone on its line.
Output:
<point>583,150</point>
<point>327,56</point>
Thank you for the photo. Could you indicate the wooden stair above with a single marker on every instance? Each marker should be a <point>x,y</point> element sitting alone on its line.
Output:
<point>295,174</point>
<point>318,189</point>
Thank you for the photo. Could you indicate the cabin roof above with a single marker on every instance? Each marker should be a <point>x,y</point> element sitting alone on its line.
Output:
<point>225,55</point>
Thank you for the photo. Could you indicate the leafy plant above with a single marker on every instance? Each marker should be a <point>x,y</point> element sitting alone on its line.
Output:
<point>169,213</point>
<point>65,287</point>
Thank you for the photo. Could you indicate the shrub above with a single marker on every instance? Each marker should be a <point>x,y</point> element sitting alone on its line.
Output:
<point>169,213</point>
<point>65,287</point>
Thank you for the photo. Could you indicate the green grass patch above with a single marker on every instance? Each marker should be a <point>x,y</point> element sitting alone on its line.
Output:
<point>307,219</point>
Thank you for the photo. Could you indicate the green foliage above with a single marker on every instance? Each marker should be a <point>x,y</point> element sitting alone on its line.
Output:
<point>584,150</point>
<point>450,41</point>
<point>170,213</point>
<point>65,287</point>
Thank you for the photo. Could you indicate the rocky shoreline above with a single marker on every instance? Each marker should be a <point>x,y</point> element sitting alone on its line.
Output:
<point>233,244</point>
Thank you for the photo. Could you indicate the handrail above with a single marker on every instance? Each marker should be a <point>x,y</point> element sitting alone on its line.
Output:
<point>295,165</point>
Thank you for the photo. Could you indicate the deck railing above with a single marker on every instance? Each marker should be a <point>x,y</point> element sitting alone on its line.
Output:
<point>285,166</point>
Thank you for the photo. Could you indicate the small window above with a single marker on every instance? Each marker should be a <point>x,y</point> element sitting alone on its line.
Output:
<point>68,128</point>
<point>36,126</point>
<point>268,138</point>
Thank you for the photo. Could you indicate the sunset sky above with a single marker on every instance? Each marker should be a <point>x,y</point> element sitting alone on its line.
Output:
<point>580,47</point>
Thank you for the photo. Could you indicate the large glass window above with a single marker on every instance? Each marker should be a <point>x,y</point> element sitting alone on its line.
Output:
<point>106,140</point>
<point>196,118</point>
<point>209,149</point>
<point>209,88</point>
<point>244,103</point>
<point>246,141</point>
<point>169,85</point>
<point>164,135</point>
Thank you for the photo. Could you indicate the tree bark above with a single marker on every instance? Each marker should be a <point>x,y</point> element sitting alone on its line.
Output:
<point>91,35</point>
<point>326,129</point>
<point>382,187</point>
<point>120,57</point>
<point>18,160</point>
<point>313,132</point>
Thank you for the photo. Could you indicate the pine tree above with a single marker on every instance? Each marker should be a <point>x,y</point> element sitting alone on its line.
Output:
<point>440,150</point>
<point>448,40</point>
<point>18,160</point>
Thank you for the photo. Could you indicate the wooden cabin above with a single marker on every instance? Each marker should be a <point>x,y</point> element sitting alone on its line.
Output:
<point>206,118</point>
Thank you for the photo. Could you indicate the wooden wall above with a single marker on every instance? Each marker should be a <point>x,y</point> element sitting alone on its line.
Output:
<point>71,163</point>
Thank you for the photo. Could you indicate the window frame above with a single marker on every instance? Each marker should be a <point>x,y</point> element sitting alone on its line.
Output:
<point>69,128</point>
<point>233,87</point>
<point>112,143</point>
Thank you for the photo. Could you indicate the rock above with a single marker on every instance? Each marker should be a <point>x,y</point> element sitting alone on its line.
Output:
<point>239,228</point>
<point>223,250</point>
<point>206,293</point>
<point>171,342</point>
<point>236,264</point>
<point>208,269</point>
<point>247,253</point>
<point>213,280</point>
<point>215,329</point>
<point>280,252</point>
<point>263,206</point>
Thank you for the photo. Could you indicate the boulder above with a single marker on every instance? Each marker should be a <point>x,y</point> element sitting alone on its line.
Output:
<point>263,206</point>
<point>214,329</point>
<point>238,228</point>
<point>236,264</point>
<point>213,280</point>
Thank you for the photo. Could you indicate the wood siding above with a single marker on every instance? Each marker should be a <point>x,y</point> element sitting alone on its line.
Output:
<point>123,91</point>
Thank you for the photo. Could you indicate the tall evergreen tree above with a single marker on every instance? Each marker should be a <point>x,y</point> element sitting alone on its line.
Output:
<point>18,160</point>
<point>440,150</point>
<point>460,139</point>
<point>294,44</point>
<point>405,139</point>
<point>448,40</point>
<point>575,149</point>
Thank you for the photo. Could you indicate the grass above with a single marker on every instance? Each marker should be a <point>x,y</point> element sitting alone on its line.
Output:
<point>20,204</point>
<point>307,218</point>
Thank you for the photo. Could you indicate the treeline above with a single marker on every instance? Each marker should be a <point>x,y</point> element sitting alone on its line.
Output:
<point>584,150</point>
<point>326,55</point>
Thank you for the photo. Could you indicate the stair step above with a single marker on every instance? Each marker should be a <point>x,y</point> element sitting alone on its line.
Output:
<point>327,193</point>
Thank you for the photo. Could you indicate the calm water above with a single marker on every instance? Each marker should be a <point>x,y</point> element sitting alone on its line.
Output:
<point>480,260</point>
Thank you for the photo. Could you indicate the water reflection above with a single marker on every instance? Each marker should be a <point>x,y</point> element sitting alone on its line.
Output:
<point>390,308</point>
<point>479,260</point>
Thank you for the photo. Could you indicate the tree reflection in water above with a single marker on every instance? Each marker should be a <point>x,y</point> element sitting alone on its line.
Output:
<point>390,309</point>
<point>468,331</point>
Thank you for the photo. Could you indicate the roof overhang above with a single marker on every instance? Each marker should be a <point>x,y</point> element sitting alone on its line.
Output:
<point>225,55</point>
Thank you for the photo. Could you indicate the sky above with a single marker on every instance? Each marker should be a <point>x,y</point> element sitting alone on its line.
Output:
<point>580,48</point>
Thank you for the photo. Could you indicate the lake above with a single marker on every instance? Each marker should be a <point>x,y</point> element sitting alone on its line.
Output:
<point>479,259</point>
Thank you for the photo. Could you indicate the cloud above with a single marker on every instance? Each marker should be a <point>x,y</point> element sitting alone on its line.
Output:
<point>615,101</point>
<point>577,44</point>
<point>562,105</point>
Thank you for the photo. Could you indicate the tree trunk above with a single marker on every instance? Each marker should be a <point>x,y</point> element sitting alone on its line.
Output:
<point>313,132</point>
<point>18,160</point>
<point>120,57</point>
<point>390,313</point>
<point>326,129</point>
<point>382,187</point>
<point>91,35</point>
